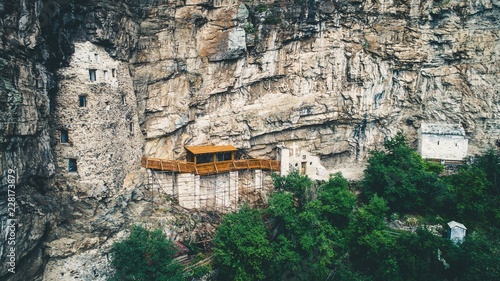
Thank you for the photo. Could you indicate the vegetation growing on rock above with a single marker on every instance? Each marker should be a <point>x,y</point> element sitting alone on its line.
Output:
<point>323,231</point>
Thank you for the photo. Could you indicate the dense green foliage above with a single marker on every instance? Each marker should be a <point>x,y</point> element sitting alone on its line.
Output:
<point>408,183</point>
<point>322,231</point>
<point>241,249</point>
<point>469,186</point>
<point>317,231</point>
<point>145,255</point>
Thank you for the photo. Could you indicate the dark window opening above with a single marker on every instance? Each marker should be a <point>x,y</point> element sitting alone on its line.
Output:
<point>96,57</point>
<point>92,75</point>
<point>131,128</point>
<point>204,158</point>
<point>123,99</point>
<point>64,136</point>
<point>83,101</point>
<point>113,72</point>
<point>438,142</point>
<point>72,165</point>
<point>224,156</point>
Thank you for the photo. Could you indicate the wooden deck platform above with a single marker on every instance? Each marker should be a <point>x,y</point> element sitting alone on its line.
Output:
<point>209,168</point>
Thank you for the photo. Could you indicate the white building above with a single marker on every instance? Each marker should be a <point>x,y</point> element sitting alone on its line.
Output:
<point>456,231</point>
<point>293,158</point>
<point>442,141</point>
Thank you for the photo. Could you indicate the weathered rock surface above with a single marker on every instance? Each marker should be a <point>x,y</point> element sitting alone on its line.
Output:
<point>334,77</point>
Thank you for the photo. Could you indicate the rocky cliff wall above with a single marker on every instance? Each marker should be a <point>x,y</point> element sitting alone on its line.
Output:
<point>335,78</point>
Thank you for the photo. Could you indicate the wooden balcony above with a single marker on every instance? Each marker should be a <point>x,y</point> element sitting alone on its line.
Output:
<point>209,168</point>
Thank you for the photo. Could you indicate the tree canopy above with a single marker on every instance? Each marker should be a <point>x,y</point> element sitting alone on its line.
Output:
<point>323,231</point>
<point>319,231</point>
<point>145,255</point>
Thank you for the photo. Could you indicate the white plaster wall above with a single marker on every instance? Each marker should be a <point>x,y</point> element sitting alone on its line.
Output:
<point>283,155</point>
<point>457,234</point>
<point>313,167</point>
<point>258,180</point>
<point>163,184</point>
<point>221,191</point>
<point>233,189</point>
<point>447,147</point>
<point>187,194</point>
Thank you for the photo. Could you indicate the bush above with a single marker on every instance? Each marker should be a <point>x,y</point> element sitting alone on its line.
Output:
<point>241,248</point>
<point>145,255</point>
<point>404,180</point>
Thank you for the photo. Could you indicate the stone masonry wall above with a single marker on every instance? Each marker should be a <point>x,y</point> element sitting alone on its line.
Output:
<point>103,134</point>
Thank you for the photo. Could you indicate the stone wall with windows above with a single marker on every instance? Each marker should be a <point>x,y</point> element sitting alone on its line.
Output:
<point>96,137</point>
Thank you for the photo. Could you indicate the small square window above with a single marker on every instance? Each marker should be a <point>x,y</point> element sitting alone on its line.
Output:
<point>72,165</point>
<point>83,101</point>
<point>92,75</point>
<point>64,136</point>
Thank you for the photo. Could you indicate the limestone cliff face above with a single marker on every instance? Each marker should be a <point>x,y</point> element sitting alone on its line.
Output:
<point>334,78</point>
<point>38,42</point>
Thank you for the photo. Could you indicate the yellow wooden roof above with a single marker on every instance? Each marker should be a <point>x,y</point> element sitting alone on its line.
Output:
<point>204,149</point>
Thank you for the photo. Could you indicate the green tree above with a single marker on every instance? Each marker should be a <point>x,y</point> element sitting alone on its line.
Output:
<point>241,248</point>
<point>299,185</point>
<point>370,246</point>
<point>337,202</point>
<point>145,255</point>
<point>490,164</point>
<point>403,179</point>
<point>305,239</point>
<point>480,257</point>
<point>469,185</point>
<point>423,256</point>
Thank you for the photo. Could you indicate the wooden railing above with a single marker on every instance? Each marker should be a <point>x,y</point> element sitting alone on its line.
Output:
<point>209,168</point>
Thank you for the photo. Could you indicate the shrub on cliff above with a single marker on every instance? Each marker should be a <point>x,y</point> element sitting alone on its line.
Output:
<point>145,255</point>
